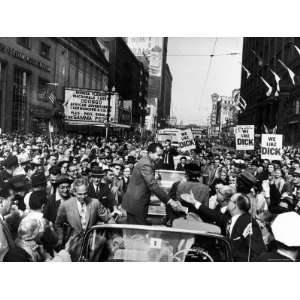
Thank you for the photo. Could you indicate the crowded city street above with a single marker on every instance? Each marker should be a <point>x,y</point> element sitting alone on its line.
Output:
<point>98,165</point>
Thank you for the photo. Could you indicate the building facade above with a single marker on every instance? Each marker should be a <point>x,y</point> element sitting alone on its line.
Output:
<point>165,107</point>
<point>129,76</point>
<point>154,50</point>
<point>283,110</point>
<point>31,69</point>
<point>222,114</point>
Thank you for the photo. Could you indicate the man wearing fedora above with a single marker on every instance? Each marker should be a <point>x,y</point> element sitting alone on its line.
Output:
<point>10,165</point>
<point>62,186</point>
<point>100,190</point>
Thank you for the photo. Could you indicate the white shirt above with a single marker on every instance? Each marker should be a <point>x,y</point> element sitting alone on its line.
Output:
<point>26,200</point>
<point>82,213</point>
<point>95,188</point>
<point>233,221</point>
<point>58,197</point>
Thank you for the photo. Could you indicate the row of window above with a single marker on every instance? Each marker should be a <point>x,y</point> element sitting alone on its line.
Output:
<point>83,74</point>
<point>44,48</point>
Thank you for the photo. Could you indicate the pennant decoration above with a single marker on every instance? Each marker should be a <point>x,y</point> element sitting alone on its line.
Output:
<point>247,71</point>
<point>277,79</point>
<point>269,92</point>
<point>291,73</point>
<point>266,129</point>
<point>260,60</point>
<point>297,49</point>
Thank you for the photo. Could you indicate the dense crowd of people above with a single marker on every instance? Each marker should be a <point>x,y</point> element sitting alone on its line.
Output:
<point>51,192</point>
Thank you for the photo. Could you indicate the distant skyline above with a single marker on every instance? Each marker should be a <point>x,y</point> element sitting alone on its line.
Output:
<point>191,101</point>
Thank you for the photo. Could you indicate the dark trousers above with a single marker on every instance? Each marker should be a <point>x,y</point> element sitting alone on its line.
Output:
<point>138,220</point>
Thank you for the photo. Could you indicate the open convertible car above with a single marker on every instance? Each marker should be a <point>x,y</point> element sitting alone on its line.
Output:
<point>135,243</point>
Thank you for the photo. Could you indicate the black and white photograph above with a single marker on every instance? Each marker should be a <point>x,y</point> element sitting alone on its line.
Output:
<point>147,149</point>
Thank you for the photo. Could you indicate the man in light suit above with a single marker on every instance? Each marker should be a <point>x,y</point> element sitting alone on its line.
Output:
<point>79,213</point>
<point>142,183</point>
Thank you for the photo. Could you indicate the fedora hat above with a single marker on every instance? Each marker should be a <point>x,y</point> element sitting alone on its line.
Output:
<point>97,172</point>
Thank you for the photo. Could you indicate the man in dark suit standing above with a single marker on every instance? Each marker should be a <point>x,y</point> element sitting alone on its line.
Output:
<point>182,164</point>
<point>62,186</point>
<point>100,190</point>
<point>142,184</point>
<point>240,228</point>
<point>168,156</point>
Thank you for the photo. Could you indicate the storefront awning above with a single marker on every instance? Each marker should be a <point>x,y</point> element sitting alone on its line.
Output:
<point>83,123</point>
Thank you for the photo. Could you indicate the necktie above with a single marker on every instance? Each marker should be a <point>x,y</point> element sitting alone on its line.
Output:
<point>167,158</point>
<point>97,189</point>
<point>228,228</point>
<point>82,216</point>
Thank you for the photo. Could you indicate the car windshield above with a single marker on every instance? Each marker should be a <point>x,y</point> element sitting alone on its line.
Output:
<point>146,245</point>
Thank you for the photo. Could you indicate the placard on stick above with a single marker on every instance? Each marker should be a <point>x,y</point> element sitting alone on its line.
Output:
<point>271,146</point>
<point>244,137</point>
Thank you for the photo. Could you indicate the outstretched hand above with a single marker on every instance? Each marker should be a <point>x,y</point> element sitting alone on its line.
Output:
<point>189,198</point>
<point>177,207</point>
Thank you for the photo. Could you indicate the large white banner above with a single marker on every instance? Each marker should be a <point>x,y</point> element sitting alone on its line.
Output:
<point>271,146</point>
<point>244,137</point>
<point>85,105</point>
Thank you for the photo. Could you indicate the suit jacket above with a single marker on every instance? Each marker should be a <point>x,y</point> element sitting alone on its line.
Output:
<point>170,153</point>
<point>239,243</point>
<point>51,208</point>
<point>68,214</point>
<point>180,167</point>
<point>104,195</point>
<point>200,191</point>
<point>142,183</point>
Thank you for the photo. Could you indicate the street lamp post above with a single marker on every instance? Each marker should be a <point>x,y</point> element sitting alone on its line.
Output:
<point>109,93</point>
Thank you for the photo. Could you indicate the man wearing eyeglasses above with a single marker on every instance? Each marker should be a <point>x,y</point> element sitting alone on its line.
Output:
<point>62,185</point>
<point>242,231</point>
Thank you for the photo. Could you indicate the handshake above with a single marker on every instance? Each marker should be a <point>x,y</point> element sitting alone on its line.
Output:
<point>177,207</point>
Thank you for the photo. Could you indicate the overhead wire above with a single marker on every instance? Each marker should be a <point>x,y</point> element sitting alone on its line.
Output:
<point>206,55</point>
<point>208,70</point>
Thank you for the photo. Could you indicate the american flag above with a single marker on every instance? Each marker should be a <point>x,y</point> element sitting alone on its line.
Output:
<point>52,97</point>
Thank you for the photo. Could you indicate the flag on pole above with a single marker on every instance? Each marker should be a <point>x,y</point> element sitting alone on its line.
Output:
<point>240,103</point>
<point>243,103</point>
<point>266,129</point>
<point>291,73</point>
<point>297,49</point>
<point>269,91</point>
<point>247,71</point>
<point>51,97</point>
<point>277,79</point>
<point>260,60</point>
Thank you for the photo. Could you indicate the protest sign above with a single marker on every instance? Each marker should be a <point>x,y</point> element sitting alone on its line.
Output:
<point>244,137</point>
<point>271,146</point>
<point>186,140</point>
